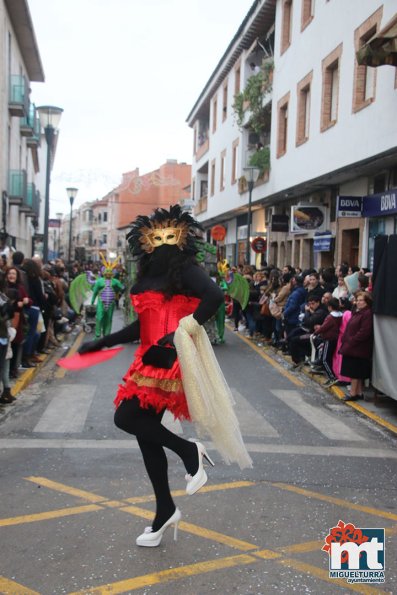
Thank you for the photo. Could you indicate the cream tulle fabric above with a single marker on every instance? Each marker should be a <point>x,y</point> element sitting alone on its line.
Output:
<point>208,396</point>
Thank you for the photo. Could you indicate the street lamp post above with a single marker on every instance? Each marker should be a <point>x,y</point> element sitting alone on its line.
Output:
<point>252,176</point>
<point>50,117</point>
<point>72,192</point>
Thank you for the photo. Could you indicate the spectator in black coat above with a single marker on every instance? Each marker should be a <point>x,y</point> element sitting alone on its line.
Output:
<point>299,339</point>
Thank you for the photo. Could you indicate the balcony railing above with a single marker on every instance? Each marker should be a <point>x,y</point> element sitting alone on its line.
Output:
<point>18,101</point>
<point>36,203</point>
<point>31,205</point>
<point>17,186</point>
<point>35,139</point>
<point>202,149</point>
<point>26,125</point>
<point>201,206</point>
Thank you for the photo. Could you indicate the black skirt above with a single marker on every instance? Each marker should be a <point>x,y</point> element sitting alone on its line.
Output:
<point>356,367</point>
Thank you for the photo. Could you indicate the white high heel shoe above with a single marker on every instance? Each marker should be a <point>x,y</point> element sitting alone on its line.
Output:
<point>200,478</point>
<point>153,539</point>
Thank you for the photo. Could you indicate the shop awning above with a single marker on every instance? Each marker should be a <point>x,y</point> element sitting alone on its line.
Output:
<point>381,49</point>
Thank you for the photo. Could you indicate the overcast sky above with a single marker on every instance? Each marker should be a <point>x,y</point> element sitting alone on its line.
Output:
<point>126,73</point>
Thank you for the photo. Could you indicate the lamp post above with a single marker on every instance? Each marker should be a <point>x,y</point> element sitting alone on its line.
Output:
<point>50,117</point>
<point>252,176</point>
<point>72,192</point>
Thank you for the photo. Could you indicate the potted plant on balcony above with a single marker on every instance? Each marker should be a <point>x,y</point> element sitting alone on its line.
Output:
<point>261,160</point>
<point>251,98</point>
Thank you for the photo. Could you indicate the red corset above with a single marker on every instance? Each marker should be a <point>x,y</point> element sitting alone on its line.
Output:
<point>157,387</point>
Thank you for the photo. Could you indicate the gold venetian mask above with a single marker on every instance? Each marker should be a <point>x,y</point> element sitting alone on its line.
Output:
<point>156,236</point>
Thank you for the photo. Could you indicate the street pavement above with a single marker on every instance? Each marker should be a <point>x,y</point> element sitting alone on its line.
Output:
<point>75,493</point>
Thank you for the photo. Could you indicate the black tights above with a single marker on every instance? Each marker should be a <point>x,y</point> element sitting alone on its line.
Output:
<point>152,436</point>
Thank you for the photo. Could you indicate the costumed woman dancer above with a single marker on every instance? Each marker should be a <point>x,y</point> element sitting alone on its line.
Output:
<point>173,297</point>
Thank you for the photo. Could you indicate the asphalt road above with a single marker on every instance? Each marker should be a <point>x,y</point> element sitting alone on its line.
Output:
<point>74,492</point>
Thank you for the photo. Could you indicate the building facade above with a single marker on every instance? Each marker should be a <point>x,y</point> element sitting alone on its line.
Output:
<point>101,226</point>
<point>294,102</point>
<point>20,133</point>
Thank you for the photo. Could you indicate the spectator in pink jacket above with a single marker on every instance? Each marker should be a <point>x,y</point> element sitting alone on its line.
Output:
<point>357,344</point>
<point>345,308</point>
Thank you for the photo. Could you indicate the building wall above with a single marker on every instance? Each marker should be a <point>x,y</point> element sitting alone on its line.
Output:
<point>139,195</point>
<point>320,159</point>
<point>15,153</point>
<point>354,137</point>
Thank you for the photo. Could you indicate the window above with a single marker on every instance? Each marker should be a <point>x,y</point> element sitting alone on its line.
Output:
<point>105,217</point>
<point>213,177</point>
<point>99,218</point>
<point>193,188</point>
<point>307,13</point>
<point>282,130</point>
<point>365,76</point>
<point>303,113</point>
<point>234,160</point>
<point>330,90</point>
<point>224,101</point>
<point>286,26</point>
<point>223,170</point>
<point>214,114</point>
<point>237,79</point>
<point>203,188</point>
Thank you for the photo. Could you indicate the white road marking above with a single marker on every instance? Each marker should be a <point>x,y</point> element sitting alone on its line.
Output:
<point>370,450</point>
<point>67,412</point>
<point>251,422</point>
<point>329,425</point>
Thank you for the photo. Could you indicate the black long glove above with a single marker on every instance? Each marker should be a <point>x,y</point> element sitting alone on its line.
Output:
<point>91,346</point>
<point>126,335</point>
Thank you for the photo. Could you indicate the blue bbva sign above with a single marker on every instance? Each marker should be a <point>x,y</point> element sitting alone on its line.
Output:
<point>380,205</point>
<point>349,206</point>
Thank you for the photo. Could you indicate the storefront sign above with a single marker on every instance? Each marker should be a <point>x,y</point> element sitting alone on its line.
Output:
<point>380,205</point>
<point>259,245</point>
<point>307,218</point>
<point>280,223</point>
<point>349,206</point>
<point>218,233</point>
<point>322,242</point>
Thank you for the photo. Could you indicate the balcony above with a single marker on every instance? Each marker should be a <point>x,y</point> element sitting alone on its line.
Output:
<point>31,205</point>
<point>35,139</point>
<point>18,101</point>
<point>26,125</point>
<point>17,186</point>
<point>202,149</point>
<point>201,206</point>
<point>30,127</point>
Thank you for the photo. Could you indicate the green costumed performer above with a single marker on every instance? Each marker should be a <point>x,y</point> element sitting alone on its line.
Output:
<point>234,285</point>
<point>221,313</point>
<point>105,289</point>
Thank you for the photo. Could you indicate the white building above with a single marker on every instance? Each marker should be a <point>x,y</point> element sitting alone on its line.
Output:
<point>20,135</point>
<point>329,124</point>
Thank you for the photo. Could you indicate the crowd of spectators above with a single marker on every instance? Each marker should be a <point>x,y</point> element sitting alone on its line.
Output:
<point>322,319</point>
<point>35,312</point>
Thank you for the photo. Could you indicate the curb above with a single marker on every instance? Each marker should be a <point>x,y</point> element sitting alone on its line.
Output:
<point>27,377</point>
<point>267,354</point>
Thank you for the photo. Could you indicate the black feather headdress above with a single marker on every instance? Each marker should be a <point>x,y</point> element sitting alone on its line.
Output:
<point>142,235</point>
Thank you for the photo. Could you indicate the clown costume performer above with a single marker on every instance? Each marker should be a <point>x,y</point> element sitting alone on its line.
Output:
<point>105,289</point>
<point>174,367</point>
